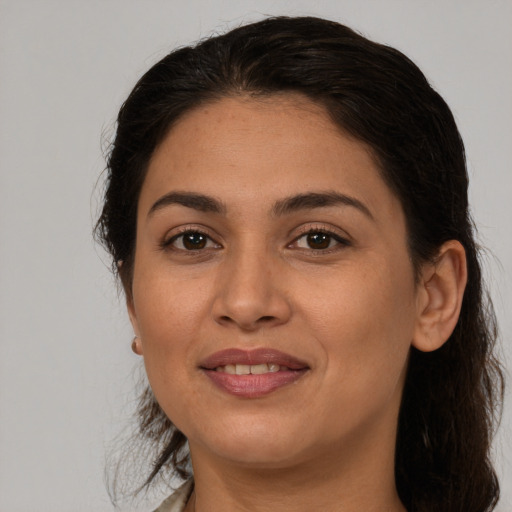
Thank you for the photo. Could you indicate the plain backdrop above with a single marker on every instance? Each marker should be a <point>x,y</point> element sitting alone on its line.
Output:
<point>66,368</point>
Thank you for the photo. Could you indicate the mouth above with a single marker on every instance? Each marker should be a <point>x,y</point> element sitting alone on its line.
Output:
<point>252,373</point>
<point>251,369</point>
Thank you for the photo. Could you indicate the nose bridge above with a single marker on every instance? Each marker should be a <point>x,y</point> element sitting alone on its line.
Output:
<point>249,292</point>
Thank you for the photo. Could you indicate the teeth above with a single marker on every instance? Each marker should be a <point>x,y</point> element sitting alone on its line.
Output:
<point>230,368</point>
<point>258,369</point>
<point>253,369</point>
<point>243,369</point>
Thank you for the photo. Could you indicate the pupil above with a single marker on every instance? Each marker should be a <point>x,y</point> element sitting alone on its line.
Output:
<point>194,241</point>
<point>319,240</point>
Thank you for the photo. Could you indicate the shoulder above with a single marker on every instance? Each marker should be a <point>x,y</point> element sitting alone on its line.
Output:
<point>177,501</point>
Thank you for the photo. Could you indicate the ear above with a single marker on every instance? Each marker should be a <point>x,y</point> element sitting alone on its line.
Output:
<point>126,282</point>
<point>137,342</point>
<point>439,297</point>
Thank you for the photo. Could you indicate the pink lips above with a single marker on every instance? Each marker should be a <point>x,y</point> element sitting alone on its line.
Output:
<point>253,386</point>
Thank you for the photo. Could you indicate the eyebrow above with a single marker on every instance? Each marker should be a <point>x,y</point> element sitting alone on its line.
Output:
<point>312,200</point>
<point>200,202</point>
<point>292,204</point>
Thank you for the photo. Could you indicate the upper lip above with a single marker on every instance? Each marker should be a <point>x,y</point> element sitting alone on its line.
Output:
<point>252,357</point>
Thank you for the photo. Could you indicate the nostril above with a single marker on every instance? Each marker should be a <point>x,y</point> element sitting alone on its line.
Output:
<point>250,325</point>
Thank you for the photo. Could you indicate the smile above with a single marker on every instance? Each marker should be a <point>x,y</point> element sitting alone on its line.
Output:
<point>250,369</point>
<point>254,373</point>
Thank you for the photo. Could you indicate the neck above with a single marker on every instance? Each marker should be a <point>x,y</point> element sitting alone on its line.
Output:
<point>331,482</point>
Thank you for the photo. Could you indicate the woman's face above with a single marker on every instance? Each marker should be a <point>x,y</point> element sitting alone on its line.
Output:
<point>269,246</point>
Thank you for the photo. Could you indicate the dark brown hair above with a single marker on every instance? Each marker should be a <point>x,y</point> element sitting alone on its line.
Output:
<point>451,397</point>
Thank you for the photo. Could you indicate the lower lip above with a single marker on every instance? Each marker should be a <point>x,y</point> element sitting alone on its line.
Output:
<point>253,386</point>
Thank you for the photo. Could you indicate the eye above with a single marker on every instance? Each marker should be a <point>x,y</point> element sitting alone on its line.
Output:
<point>319,240</point>
<point>191,240</point>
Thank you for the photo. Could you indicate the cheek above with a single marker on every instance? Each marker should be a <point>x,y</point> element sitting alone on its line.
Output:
<point>170,315</point>
<point>364,321</point>
<point>170,318</point>
<point>356,298</point>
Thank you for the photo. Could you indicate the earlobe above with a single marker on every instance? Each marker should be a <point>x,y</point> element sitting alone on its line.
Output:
<point>137,342</point>
<point>137,346</point>
<point>439,297</point>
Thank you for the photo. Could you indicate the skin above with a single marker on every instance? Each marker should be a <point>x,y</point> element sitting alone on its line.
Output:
<point>351,310</point>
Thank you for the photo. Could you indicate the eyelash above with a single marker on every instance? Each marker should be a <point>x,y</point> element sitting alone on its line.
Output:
<point>341,242</point>
<point>168,242</point>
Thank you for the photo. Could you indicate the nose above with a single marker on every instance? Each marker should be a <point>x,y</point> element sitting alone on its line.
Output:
<point>250,292</point>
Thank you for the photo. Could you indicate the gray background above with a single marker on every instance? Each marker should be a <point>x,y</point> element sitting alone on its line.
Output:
<point>66,369</point>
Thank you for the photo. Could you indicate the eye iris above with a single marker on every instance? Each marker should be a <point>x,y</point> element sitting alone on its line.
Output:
<point>318,240</point>
<point>194,241</point>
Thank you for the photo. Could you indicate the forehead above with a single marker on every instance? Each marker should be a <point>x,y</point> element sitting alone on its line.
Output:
<point>248,150</point>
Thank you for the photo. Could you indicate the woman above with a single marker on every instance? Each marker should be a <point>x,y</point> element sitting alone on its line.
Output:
<point>286,207</point>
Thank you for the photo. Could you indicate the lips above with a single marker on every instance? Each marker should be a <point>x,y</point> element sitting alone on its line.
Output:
<point>252,357</point>
<point>252,373</point>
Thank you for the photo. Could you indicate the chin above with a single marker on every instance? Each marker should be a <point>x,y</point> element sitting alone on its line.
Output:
<point>257,445</point>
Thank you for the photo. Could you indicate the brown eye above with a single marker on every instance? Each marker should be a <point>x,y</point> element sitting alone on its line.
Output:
<point>191,241</point>
<point>318,240</point>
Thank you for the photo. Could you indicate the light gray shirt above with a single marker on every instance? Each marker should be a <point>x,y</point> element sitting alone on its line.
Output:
<point>177,501</point>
